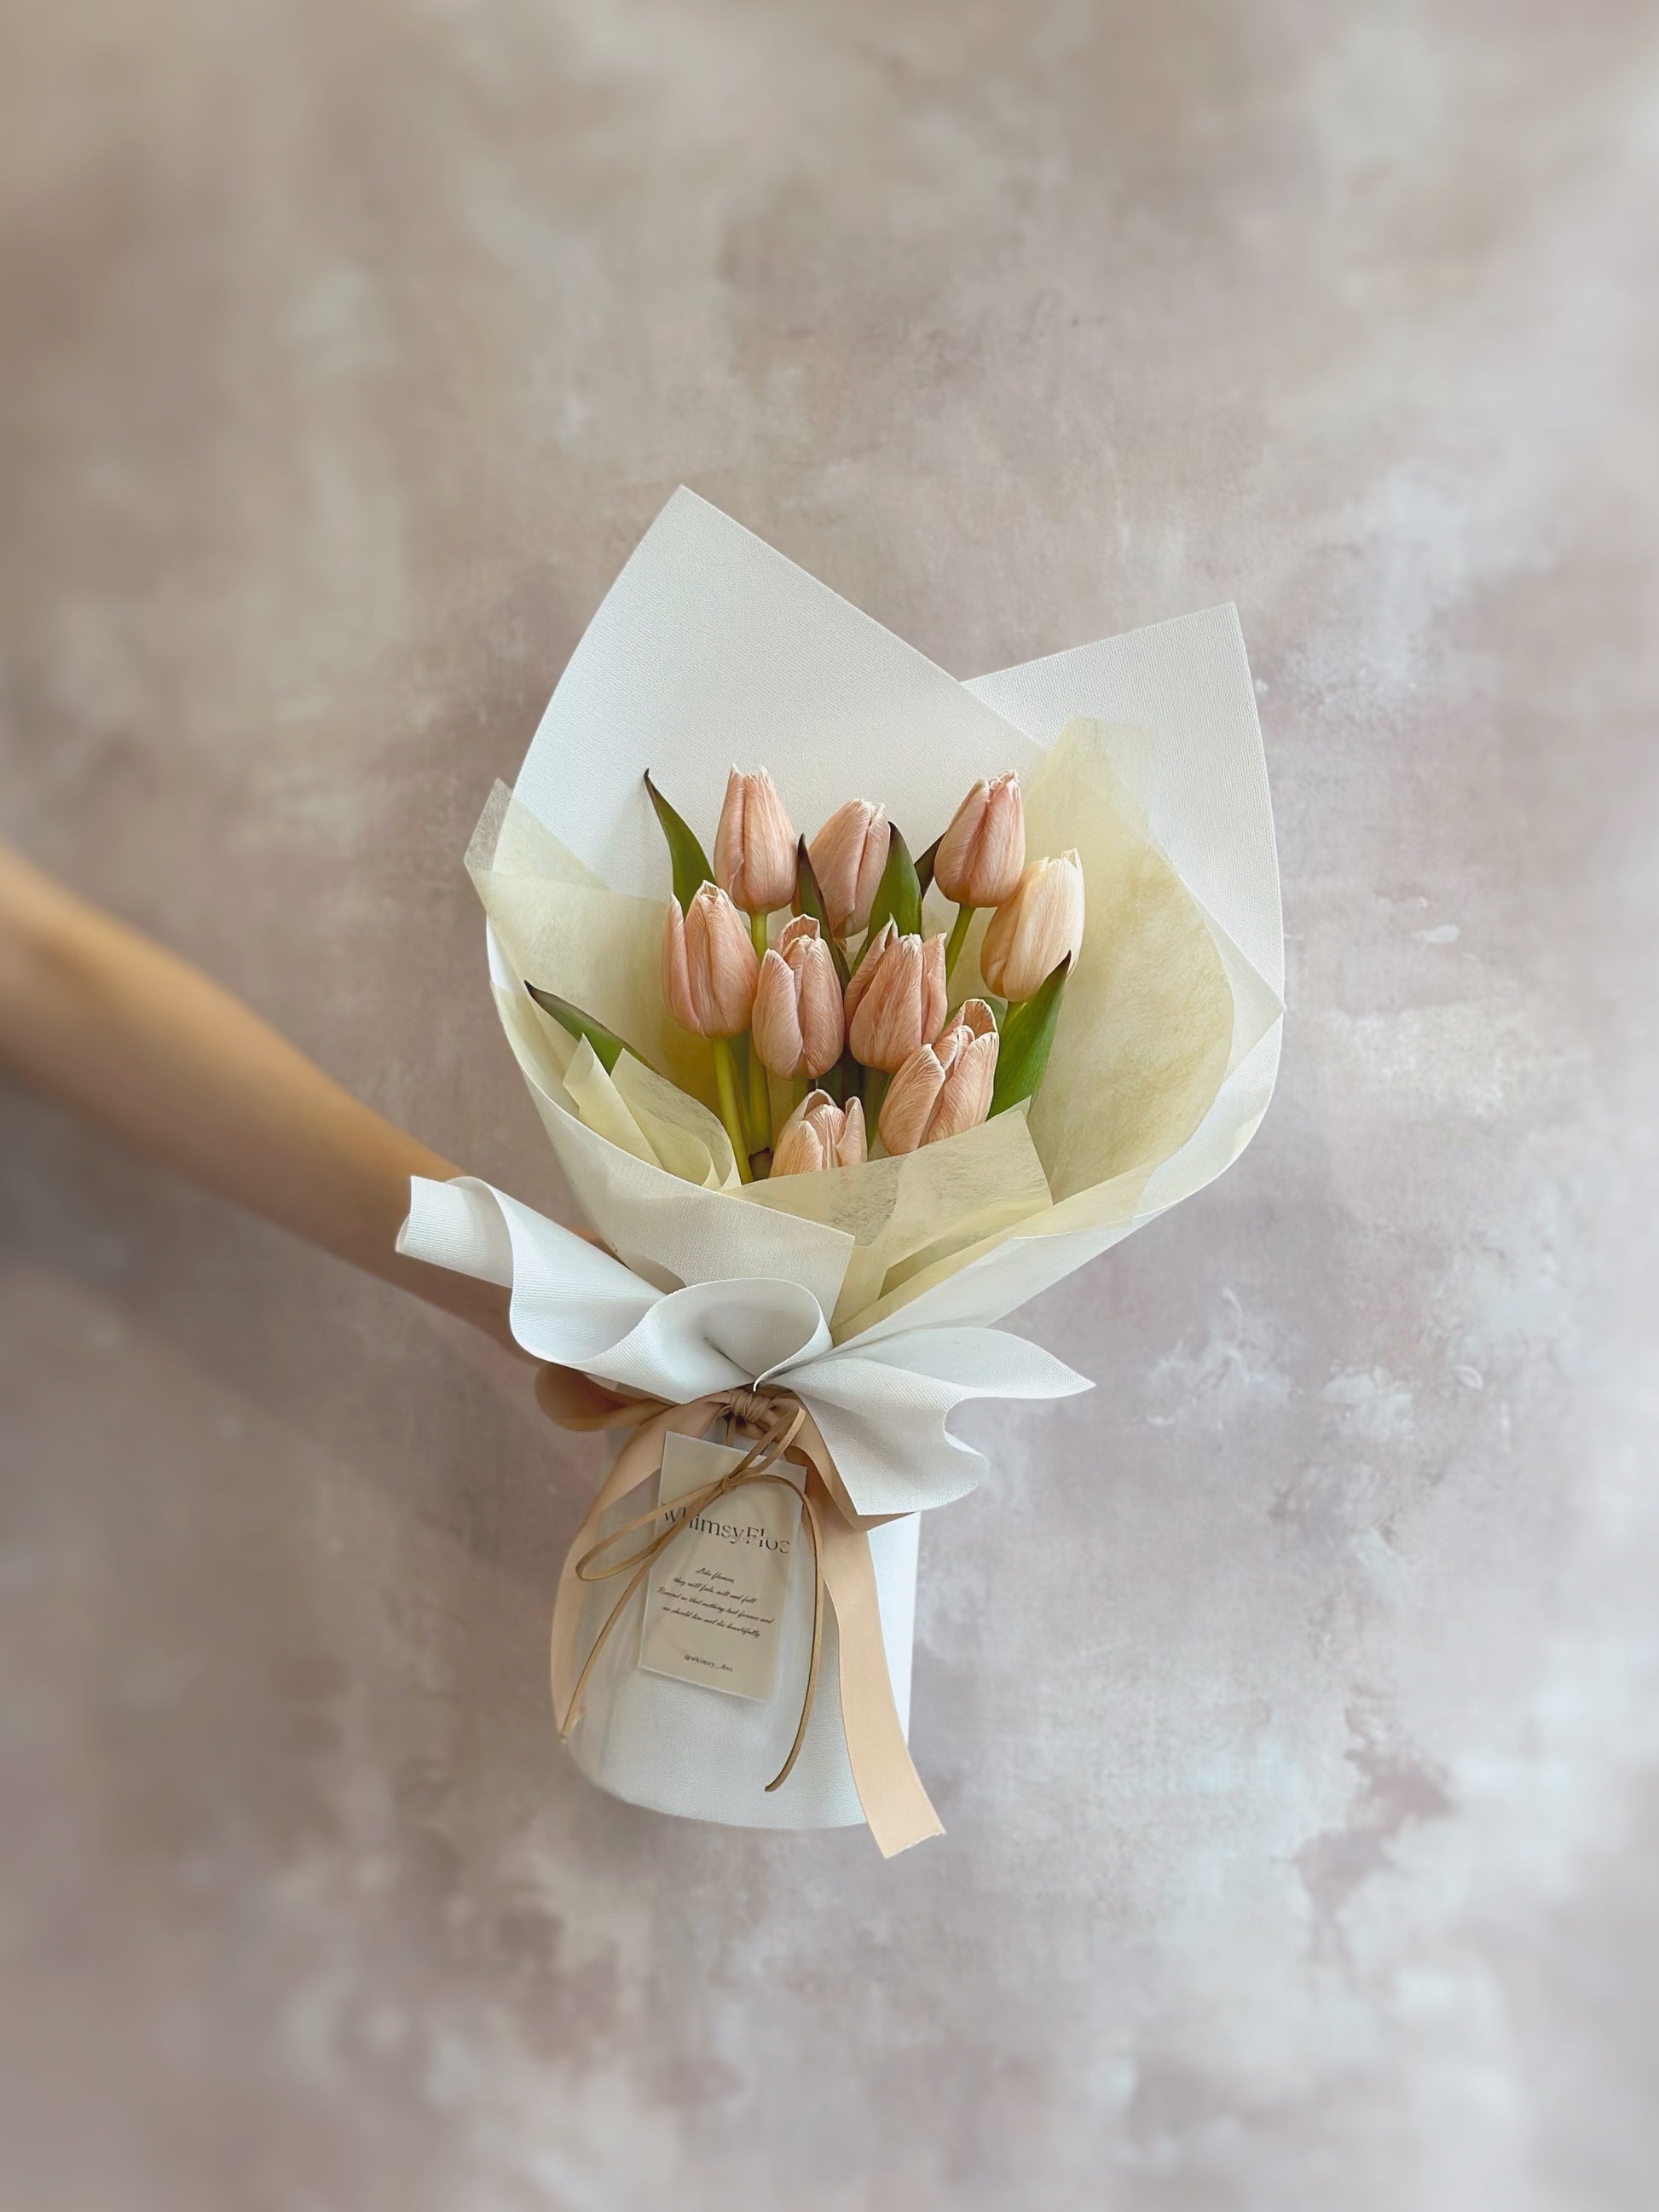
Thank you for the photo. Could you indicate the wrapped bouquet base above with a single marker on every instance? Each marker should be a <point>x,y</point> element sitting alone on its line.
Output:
<point>864,1297</point>
<point>880,1449</point>
<point>845,1622</point>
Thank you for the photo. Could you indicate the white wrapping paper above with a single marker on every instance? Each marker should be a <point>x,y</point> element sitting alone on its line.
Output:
<point>712,647</point>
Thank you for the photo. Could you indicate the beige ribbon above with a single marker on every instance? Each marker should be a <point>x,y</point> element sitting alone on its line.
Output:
<point>895,1806</point>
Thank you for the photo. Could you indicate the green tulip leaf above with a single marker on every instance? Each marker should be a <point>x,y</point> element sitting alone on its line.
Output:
<point>898,895</point>
<point>925,866</point>
<point>608,1048</point>
<point>1028,1031</point>
<point>686,857</point>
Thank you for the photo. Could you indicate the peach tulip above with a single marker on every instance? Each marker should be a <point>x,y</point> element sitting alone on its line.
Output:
<point>848,856</point>
<point>755,844</point>
<point>1031,934</point>
<point>980,856</point>
<point>797,1021</point>
<point>709,968</point>
<point>820,1135</point>
<point>896,1000</point>
<point>944,1088</point>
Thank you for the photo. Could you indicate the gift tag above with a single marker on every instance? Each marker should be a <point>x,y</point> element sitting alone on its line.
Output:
<point>714,1597</point>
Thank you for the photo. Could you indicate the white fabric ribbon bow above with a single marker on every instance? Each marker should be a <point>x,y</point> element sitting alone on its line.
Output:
<point>882,1404</point>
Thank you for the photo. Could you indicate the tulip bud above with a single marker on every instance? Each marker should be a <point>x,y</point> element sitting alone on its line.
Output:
<point>896,1000</point>
<point>797,1021</point>
<point>1031,934</point>
<point>755,844</point>
<point>943,1088</point>
<point>848,856</point>
<point>710,969</point>
<point>980,856</point>
<point>819,1134</point>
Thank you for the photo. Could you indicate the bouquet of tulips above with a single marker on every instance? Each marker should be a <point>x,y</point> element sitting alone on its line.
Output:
<point>832,1109</point>
<point>848,1008</point>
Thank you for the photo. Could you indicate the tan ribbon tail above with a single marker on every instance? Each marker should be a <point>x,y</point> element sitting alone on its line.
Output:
<point>639,1458</point>
<point>895,1806</point>
<point>898,1808</point>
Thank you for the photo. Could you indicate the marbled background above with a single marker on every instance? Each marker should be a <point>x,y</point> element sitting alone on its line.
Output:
<point>1292,1702</point>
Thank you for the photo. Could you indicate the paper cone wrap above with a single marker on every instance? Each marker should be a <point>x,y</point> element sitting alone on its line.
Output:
<point>871,1293</point>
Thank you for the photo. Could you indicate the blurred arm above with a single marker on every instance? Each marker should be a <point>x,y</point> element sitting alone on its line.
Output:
<point>135,1040</point>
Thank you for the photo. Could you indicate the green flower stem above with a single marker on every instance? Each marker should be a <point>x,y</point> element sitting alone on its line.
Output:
<point>875,1089</point>
<point>725,1084</point>
<point>958,939</point>
<point>760,1105</point>
<point>760,1098</point>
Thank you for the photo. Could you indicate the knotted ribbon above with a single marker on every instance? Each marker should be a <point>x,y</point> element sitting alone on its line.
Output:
<point>895,1806</point>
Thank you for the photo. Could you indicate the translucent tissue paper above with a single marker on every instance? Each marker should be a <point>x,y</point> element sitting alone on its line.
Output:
<point>1144,753</point>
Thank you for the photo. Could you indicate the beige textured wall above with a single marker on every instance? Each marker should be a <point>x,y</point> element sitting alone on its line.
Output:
<point>1292,1702</point>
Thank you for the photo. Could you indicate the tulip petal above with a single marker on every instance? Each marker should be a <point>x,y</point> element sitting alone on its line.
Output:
<point>850,1151</point>
<point>876,944</point>
<point>965,1100</point>
<point>823,1030</point>
<point>676,976</point>
<point>774,1024</point>
<point>911,1098</point>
